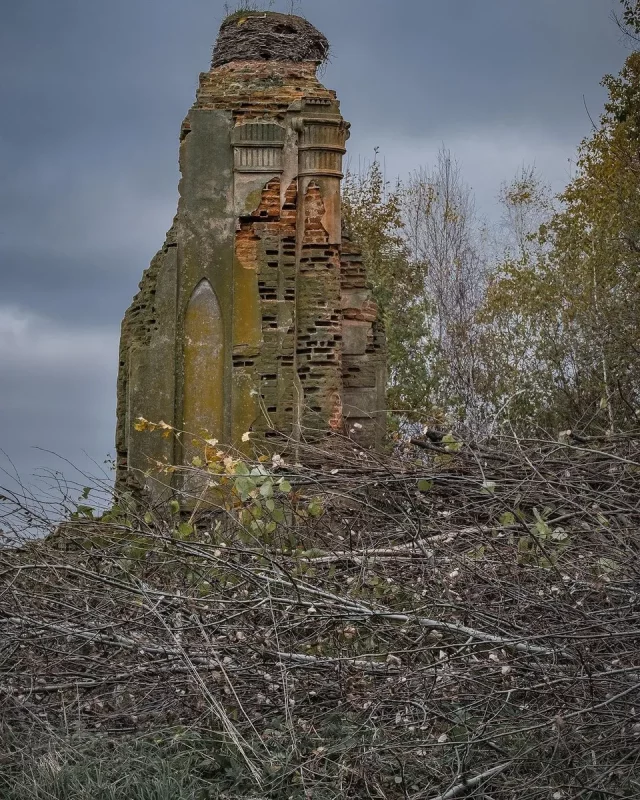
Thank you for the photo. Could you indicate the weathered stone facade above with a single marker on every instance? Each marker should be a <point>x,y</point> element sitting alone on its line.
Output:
<point>255,315</point>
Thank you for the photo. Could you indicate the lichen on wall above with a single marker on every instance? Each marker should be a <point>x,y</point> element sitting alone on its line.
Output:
<point>255,315</point>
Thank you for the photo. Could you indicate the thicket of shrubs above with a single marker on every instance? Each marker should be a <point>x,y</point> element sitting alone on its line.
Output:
<point>452,620</point>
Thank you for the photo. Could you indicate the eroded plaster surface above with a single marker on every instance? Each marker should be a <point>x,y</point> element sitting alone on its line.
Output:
<point>255,316</point>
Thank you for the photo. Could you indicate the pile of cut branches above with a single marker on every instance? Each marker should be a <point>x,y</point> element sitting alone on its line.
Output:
<point>452,621</point>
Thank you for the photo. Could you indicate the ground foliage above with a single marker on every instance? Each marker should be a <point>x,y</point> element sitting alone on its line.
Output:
<point>450,620</point>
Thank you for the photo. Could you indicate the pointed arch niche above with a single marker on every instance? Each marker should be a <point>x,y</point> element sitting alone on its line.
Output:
<point>204,359</point>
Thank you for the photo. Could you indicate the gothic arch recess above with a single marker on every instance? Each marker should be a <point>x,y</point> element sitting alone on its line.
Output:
<point>204,354</point>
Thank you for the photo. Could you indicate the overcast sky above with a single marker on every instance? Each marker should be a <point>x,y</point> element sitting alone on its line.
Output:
<point>92,97</point>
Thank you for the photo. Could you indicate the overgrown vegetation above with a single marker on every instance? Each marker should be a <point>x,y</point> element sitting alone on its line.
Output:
<point>534,325</point>
<point>171,765</point>
<point>456,618</point>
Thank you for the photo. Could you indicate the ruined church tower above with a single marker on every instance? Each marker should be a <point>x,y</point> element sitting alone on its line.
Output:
<point>255,315</point>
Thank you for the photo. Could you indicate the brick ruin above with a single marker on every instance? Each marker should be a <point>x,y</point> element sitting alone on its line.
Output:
<point>256,314</point>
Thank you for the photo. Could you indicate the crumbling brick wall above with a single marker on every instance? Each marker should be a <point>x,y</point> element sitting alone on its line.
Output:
<point>259,227</point>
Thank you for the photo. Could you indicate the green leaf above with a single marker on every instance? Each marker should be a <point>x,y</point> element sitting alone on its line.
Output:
<point>184,530</point>
<point>452,444</point>
<point>85,492</point>
<point>543,530</point>
<point>315,508</point>
<point>266,490</point>
<point>148,518</point>
<point>606,566</point>
<point>175,507</point>
<point>270,504</point>
<point>284,486</point>
<point>242,469</point>
<point>489,487</point>
<point>85,511</point>
<point>244,487</point>
<point>425,485</point>
<point>507,519</point>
